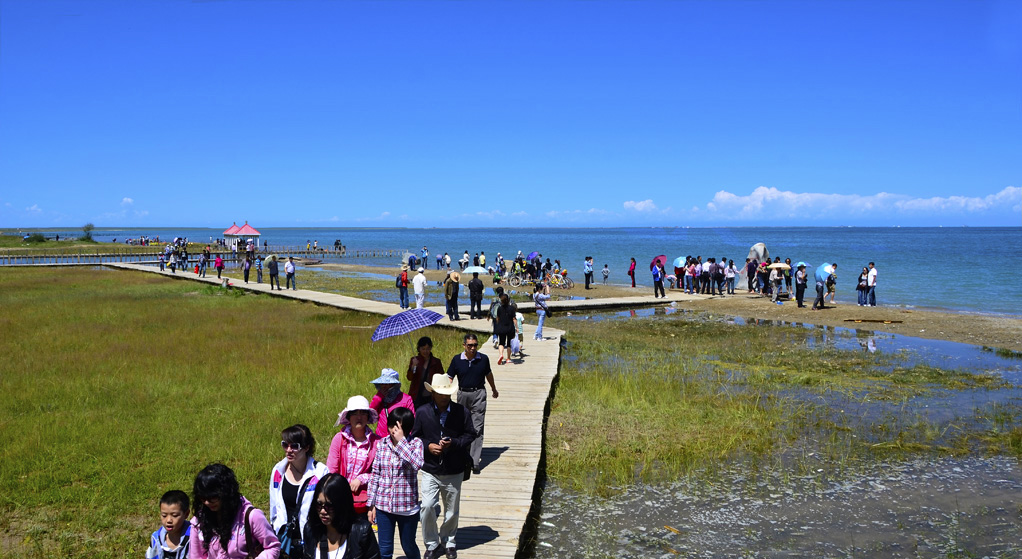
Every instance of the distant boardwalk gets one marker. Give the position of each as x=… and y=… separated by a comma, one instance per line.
x=495, y=503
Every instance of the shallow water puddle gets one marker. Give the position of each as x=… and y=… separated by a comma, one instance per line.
x=921, y=508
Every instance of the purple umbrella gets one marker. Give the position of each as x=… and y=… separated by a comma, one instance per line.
x=532, y=255
x=405, y=322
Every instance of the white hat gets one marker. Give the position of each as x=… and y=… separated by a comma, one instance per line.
x=443, y=384
x=356, y=403
x=420, y=270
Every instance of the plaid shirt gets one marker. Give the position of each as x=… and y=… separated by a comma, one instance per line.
x=394, y=486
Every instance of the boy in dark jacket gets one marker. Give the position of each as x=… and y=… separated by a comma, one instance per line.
x=445, y=428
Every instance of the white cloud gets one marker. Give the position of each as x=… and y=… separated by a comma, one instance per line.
x=520, y=214
x=381, y=217
x=141, y=213
x=127, y=201
x=643, y=206
x=34, y=208
x=770, y=203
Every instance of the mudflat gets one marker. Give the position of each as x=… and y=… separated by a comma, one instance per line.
x=997, y=331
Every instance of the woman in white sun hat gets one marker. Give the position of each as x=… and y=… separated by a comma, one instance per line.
x=354, y=448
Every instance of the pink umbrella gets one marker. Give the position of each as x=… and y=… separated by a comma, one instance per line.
x=662, y=258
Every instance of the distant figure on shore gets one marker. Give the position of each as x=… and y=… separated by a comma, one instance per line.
x=219, y=265
x=658, y=280
x=402, y=286
x=862, y=286
x=419, y=287
x=289, y=268
x=475, y=296
x=587, y=269
x=872, y=284
x=425, y=257
x=274, y=269
x=451, y=288
x=800, y=285
x=606, y=274
x=631, y=271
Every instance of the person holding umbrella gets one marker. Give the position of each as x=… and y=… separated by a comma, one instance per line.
x=658, y=279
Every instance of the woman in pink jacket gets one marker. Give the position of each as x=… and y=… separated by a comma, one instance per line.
x=388, y=397
x=227, y=525
x=353, y=449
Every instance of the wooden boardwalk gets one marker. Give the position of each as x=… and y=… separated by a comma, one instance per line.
x=495, y=503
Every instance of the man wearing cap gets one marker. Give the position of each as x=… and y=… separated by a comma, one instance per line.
x=419, y=286
x=472, y=369
x=446, y=431
x=402, y=286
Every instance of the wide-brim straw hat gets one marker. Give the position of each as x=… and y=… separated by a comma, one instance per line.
x=443, y=384
x=455, y=277
x=356, y=403
x=404, y=267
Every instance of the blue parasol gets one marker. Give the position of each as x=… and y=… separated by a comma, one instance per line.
x=823, y=272
x=532, y=255
x=679, y=262
x=475, y=270
x=405, y=322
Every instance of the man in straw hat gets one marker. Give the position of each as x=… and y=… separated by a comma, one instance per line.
x=445, y=428
x=451, y=289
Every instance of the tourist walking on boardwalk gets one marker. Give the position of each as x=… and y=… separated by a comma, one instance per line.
x=334, y=525
x=292, y=482
x=871, y=298
x=451, y=289
x=475, y=296
x=394, y=486
x=274, y=269
x=445, y=429
x=587, y=269
x=402, y=286
x=421, y=367
x=472, y=369
x=388, y=398
x=658, y=280
x=162, y=259
x=419, y=287
x=862, y=286
x=504, y=329
x=203, y=262
x=353, y=449
x=800, y=285
x=219, y=265
x=631, y=271
x=541, y=295
x=289, y=268
x=259, y=269
x=224, y=519
x=245, y=267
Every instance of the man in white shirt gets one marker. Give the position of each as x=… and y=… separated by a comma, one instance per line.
x=289, y=269
x=871, y=285
x=419, y=287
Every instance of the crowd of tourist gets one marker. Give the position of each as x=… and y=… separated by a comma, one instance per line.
x=326, y=510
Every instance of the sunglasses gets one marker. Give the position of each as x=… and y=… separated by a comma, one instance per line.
x=293, y=446
x=328, y=507
x=471, y=345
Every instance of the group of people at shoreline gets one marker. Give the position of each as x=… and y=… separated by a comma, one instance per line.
x=326, y=510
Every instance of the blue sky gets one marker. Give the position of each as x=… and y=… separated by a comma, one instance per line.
x=447, y=114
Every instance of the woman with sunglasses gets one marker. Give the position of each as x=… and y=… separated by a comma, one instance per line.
x=227, y=524
x=333, y=530
x=354, y=448
x=292, y=483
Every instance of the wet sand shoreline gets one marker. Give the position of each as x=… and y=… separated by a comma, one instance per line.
x=971, y=328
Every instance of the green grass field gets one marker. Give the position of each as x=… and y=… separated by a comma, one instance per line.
x=119, y=386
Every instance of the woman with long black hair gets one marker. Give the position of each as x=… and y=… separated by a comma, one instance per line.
x=228, y=525
x=333, y=530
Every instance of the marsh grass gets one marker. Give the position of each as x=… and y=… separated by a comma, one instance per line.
x=119, y=386
x=675, y=396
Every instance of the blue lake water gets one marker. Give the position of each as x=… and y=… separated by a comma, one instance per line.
x=966, y=269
